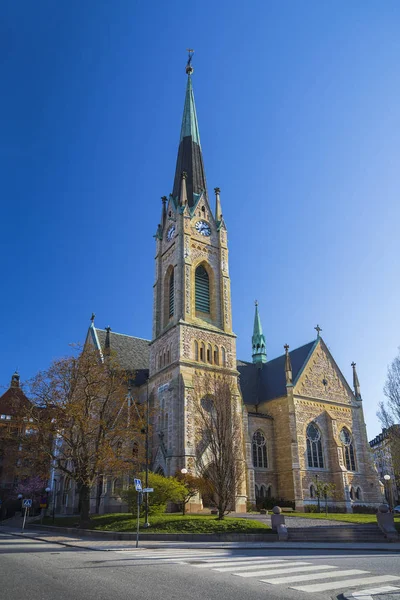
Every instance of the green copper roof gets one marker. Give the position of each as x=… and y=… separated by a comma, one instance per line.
x=258, y=340
x=190, y=126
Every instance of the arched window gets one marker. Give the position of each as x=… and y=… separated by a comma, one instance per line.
x=269, y=492
x=348, y=449
x=202, y=351
x=263, y=493
x=202, y=287
x=196, y=350
x=257, y=491
x=223, y=356
x=259, y=450
x=171, y=295
x=314, y=447
x=168, y=356
x=312, y=491
x=352, y=493
x=358, y=493
x=216, y=356
x=209, y=354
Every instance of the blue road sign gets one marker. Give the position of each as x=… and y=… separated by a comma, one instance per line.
x=138, y=485
x=27, y=503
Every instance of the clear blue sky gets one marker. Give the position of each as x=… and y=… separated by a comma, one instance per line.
x=298, y=107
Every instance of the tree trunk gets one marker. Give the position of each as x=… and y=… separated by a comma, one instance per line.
x=84, y=500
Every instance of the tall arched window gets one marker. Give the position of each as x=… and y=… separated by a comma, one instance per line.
x=348, y=449
x=171, y=295
x=314, y=447
x=202, y=287
x=358, y=493
x=312, y=491
x=259, y=450
x=223, y=356
x=196, y=350
x=202, y=352
x=216, y=356
x=209, y=353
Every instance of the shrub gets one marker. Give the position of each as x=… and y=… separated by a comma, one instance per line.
x=311, y=508
x=166, y=489
x=361, y=509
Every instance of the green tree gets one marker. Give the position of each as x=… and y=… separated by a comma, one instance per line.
x=325, y=490
x=166, y=489
x=193, y=485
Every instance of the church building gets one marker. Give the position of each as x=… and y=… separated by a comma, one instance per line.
x=302, y=421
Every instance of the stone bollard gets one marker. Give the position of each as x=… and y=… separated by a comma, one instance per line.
x=282, y=533
x=277, y=518
x=386, y=523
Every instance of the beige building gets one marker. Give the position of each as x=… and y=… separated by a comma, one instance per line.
x=302, y=422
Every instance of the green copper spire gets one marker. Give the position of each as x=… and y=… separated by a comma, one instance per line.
x=258, y=341
x=190, y=126
x=190, y=158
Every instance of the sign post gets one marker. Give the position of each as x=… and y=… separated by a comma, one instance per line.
x=26, y=503
x=138, y=487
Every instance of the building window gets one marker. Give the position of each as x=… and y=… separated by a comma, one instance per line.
x=216, y=357
x=314, y=447
x=209, y=354
x=348, y=449
x=358, y=494
x=202, y=287
x=259, y=450
x=196, y=350
x=223, y=356
x=171, y=295
x=312, y=491
x=202, y=351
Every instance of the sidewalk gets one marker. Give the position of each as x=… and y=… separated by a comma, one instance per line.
x=87, y=543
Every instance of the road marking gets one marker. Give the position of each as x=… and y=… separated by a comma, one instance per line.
x=311, y=576
x=227, y=563
x=249, y=566
x=282, y=571
x=345, y=583
x=367, y=594
x=246, y=558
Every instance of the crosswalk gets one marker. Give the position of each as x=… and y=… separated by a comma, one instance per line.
x=301, y=575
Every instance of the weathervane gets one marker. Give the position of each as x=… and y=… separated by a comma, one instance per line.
x=189, y=68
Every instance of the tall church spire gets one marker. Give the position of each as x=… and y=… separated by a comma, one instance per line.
x=190, y=158
x=356, y=383
x=258, y=341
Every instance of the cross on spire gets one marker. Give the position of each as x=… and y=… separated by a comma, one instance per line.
x=318, y=330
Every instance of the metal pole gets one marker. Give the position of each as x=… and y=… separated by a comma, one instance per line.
x=138, y=517
x=23, y=523
x=54, y=499
x=146, y=498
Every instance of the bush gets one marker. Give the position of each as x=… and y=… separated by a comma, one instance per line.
x=361, y=509
x=166, y=489
x=251, y=507
x=269, y=503
x=311, y=508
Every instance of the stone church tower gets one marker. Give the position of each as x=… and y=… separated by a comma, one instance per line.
x=192, y=320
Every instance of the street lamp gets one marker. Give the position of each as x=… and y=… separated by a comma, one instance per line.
x=54, y=498
x=388, y=486
x=184, y=471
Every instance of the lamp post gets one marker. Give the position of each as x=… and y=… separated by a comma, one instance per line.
x=388, y=486
x=20, y=496
x=54, y=498
x=318, y=493
x=184, y=472
x=146, y=506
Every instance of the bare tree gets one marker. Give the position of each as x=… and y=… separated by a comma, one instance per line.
x=389, y=413
x=219, y=439
x=85, y=410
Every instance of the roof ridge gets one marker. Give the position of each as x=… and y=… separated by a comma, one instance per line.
x=134, y=337
x=290, y=351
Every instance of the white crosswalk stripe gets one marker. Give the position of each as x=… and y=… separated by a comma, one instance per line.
x=230, y=565
x=254, y=566
x=282, y=571
x=344, y=583
x=313, y=576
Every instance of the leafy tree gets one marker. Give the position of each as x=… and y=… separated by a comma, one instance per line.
x=324, y=490
x=86, y=412
x=166, y=489
x=219, y=440
x=193, y=485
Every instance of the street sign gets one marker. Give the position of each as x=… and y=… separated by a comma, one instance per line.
x=27, y=503
x=138, y=485
x=148, y=490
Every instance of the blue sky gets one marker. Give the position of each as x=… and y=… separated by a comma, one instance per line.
x=299, y=122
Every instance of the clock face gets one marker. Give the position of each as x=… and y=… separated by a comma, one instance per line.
x=170, y=232
x=203, y=228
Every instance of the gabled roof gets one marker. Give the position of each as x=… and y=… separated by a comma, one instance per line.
x=13, y=401
x=262, y=384
x=132, y=352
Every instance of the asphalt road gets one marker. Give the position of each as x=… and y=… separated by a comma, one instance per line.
x=37, y=570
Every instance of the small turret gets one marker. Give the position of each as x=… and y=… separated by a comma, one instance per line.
x=288, y=366
x=183, y=196
x=15, y=380
x=218, y=211
x=107, y=343
x=356, y=383
x=258, y=341
x=164, y=201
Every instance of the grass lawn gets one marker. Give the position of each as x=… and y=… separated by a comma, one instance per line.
x=167, y=523
x=345, y=517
